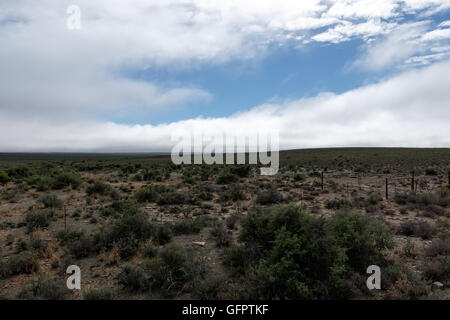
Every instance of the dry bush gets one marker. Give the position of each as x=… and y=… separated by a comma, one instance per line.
x=420, y=229
x=438, y=247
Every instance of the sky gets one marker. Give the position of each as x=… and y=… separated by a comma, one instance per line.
x=334, y=73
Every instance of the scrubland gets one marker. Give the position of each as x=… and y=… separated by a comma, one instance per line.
x=140, y=227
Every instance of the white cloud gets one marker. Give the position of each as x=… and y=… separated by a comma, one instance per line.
x=57, y=85
x=394, y=48
x=408, y=110
x=445, y=24
x=347, y=30
x=184, y=31
x=364, y=9
x=408, y=44
x=441, y=49
x=438, y=34
x=430, y=6
x=427, y=59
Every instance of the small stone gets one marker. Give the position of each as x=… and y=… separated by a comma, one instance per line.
x=199, y=243
x=437, y=286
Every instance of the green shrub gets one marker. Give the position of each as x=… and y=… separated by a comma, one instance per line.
x=37, y=245
x=231, y=221
x=98, y=187
x=132, y=278
x=64, y=180
x=296, y=256
x=76, y=213
x=220, y=235
x=128, y=247
x=43, y=183
x=226, y=178
x=51, y=201
x=98, y=294
x=205, y=195
x=4, y=178
x=114, y=194
x=403, y=198
x=188, y=180
x=150, y=252
x=146, y=194
x=21, y=246
x=163, y=234
x=337, y=204
x=392, y=274
x=125, y=189
x=22, y=263
x=363, y=239
x=240, y=170
x=171, y=198
x=152, y=175
x=269, y=196
x=374, y=198
x=135, y=224
x=162, y=196
x=82, y=247
x=186, y=226
x=107, y=212
x=170, y=269
x=209, y=289
x=19, y=172
x=127, y=207
x=69, y=235
x=236, y=193
x=49, y=289
x=403, y=283
x=300, y=268
x=38, y=219
x=239, y=258
x=10, y=239
x=444, y=192
x=431, y=172
x=314, y=174
x=127, y=233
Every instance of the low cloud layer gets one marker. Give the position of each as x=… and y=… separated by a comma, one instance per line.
x=409, y=110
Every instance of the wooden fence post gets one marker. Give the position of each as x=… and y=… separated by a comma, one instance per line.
x=412, y=182
x=65, y=218
x=322, y=180
x=387, y=193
